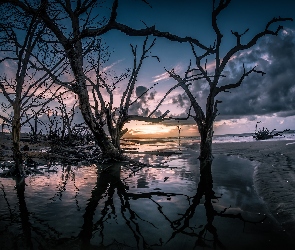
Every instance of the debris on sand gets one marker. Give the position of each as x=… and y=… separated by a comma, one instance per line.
x=264, y=133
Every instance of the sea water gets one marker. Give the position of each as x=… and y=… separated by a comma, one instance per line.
x=123, y=206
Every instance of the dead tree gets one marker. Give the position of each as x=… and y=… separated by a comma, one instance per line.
x=205, y=118
x=73, y=42
x=75, y=52
x=105, y=109
x=26, y=91
x=265, y=133
x=67, y=117
x=34, y=125
x=75, y=39
x=53, y=124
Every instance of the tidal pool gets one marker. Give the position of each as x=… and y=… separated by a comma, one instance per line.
x=122, y=206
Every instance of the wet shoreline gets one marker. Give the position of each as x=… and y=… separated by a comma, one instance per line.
x=274, y=177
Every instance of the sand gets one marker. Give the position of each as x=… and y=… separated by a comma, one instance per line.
x=274, y=176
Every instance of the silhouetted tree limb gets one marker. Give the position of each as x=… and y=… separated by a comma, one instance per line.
x=24, y=92
x=254, y=40
x=104, y=107
x=238, y=83
x=205, y=118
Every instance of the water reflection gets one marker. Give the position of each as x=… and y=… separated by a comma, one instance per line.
x=128, y=207
x=207, y=197
x=182, y=225
x=24, y=213
x=108, y=184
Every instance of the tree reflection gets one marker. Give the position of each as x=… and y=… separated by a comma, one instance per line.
x=107, y=182
x=24, y=229
x=16, y=237
x=67, y=174
x=204, y=191
x=205, y=188
x=24, y=213
x=116, y=217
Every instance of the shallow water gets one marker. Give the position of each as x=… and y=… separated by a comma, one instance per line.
x=126, y=207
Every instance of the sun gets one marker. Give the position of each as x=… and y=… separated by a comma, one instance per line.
x=141, y=129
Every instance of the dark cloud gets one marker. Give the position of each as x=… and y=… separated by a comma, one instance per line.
x=141, y=106
x=286, y=113
x=259, y=95
x=140, y=90
x=251, y=118
x=152, y=96
x=158, y=113
x=180, y=99
x=137, y=108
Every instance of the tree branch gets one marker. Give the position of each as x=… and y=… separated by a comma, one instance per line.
x=238, y=83
x=253, y=41
x=200, y=116
x=148, y=119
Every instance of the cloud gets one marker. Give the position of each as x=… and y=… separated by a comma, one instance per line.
x=140, y=90
x=161, y=77
x=286, y=113
x=165, y=76
x=152, y=96
x=271, y=94
x=139, y=107
x=112, y=65
x=180, y=99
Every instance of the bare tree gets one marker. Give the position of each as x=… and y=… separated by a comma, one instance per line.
x=205, y=118
x=72, y=26
x=27, y=90
x=75, y=39
x=34, y=125
x=113, y=115
x=67, y=117
x=54, y=123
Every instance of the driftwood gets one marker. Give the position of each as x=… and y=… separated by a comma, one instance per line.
x=264, y=133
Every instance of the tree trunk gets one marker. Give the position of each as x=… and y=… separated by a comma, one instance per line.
x=106, y=182
x=35, y=128
x=75, y=56
x=17, y=155
x=206, y=156
x=103, y=141
x=116, y=136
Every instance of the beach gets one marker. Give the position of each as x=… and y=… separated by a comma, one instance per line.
x=274, y=175
x=131, y=207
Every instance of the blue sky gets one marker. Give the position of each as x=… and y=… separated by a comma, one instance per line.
x=269, y=99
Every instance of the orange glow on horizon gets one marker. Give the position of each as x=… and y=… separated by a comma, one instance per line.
x=141, y=130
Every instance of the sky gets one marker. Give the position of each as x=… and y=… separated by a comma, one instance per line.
x=269, y=98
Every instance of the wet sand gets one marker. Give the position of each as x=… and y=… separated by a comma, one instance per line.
x=274, y=176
